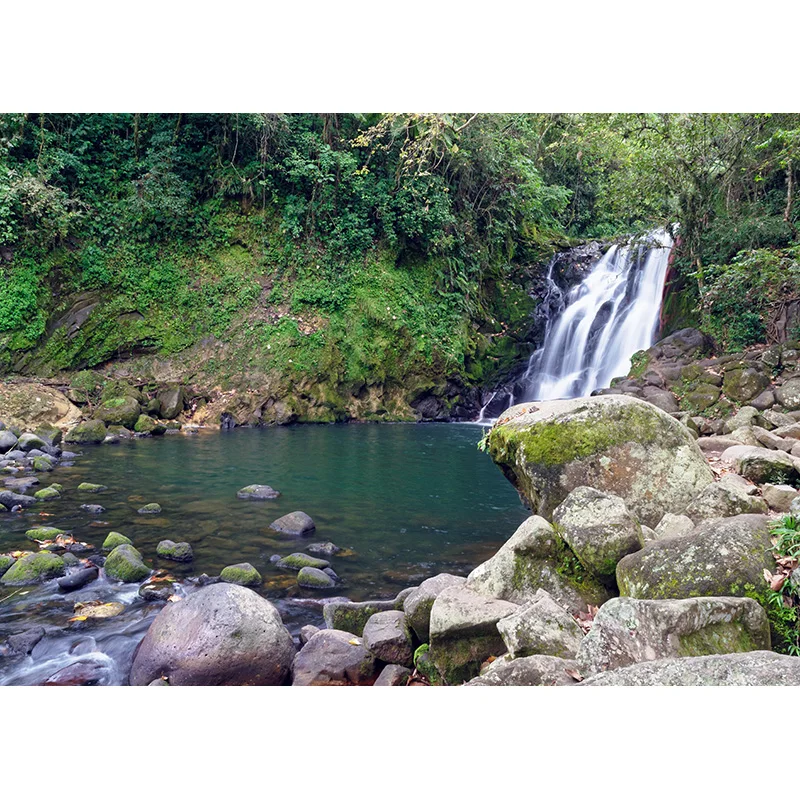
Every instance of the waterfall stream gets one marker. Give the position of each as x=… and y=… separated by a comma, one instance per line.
x=598, y=324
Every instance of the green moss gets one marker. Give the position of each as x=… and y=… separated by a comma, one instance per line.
x=639, y=363
x=43, y=534
x=459, y=659
x=124, y=563
x=722, y=637
x=6, y=562
x=91, y=432
x=34, y=568
x=423, y=663
x=115, y=539
x=296, y=562
x=93, y=488
x=42, y=464
x=49, y=493
x=241, y=574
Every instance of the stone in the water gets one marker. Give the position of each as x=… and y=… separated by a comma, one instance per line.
x=598, y=528
x=156, y=589
x=388, y=638
x=91, y=432
x=43, y=534
x=150, y=508
x=48, y=493
x=92, y=487
x=257, y=491
x=296, y=523
x=334, y=658
x=124, y=563
x=221, y=635
x=175, y=551
x=20, y=484
x=341, y=614
x=541, y=627
x=77, y=580
x=22, y=644
x=5, y=563
x=418, y=603
x=11, y=500
x=34, y=568
x=757, y=668
x=614, y=443
x=92, y=508
x=528, y=671
x=115, y=539
x=243, y=574
x=626, y=631
x=393, y=675
x=296, y=561
x=324, y=549
x=312, y=578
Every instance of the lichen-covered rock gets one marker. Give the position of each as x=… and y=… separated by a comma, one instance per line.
x=788, y=395
x=243, y=574
x=33, y=568
x=92, y=488
x=296, y=523
x=702, y=397
x=43, y=533
x=757, y=668
x=92, y=431
x=541, y=627
x=760, y=465
x=313, y=578
x=221, y=635
x=673, y=525
x=175, y=551
x=419, y=602
x=598, y=528
x=328, y=549
x=146, y=424
x=115, y=539
x=534, y=558
x=719, y=558
x=741, y=385
x=528, y=671
x=119, y=411
x=778, y=498
x=388, y=638
x=745, y=417
x=124, y=563
x=614, y=443
x=257, y=491
x=726, y=498
x=464, y=632
x=334, y=658
x=626, y=631
x=150, y=508
x=296, y=561
x=28, y=405
x=771, y=441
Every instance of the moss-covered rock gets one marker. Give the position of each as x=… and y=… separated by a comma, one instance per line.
x=241, y=574
x=418, y=603
x=124, y=563
x=48, y=493
x=119, y=411
x=6, y=562
x=727, y=498
x=150, y=508
x=145, y=424
x=352, y=617
x=43, y=534
x=42, y=464
x=92, y=488
x=33, y=568
x=741, y=385
x=115, y=539
x=312, y=578
x=49, y=433
x=615, y=443
x=175, y=551
x=30, y=441
x=760, y=465
x=296, y=561
x=92, y=431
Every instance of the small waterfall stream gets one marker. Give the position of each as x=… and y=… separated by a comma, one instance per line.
x=598, y=324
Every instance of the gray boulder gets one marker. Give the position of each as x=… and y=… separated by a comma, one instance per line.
x=221, y=635
x=257, y=491
x=528, y=671
x=170, y=401
x=771, y=441
x=334, y=658
x=175, y=551
x=758, y=668
x=313, y=578
x=788, y=395
x=352, y=617
x=745, y=417
x=719, y=558
x=296, y=523
x=779, y=498
x=393, y=675
x=419, y=602
x=626, y=631
x=726, y=498
x=12, y=499
x=598, y=528
x=673, y=525
x=30, y=441
x=388, y=638
x=7, y=441
x=760, y=465
x=541, y=627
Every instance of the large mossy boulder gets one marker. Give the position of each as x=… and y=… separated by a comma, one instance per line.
x=119, y=411
x=614, y=443
x=92, y=431
x=115, y=539
x=725, y=557
x=627, y=631
x=124, y=563
x=222, y=635
x=34, y=568
x=758, y=668
x=534, y=558
x=741, y=385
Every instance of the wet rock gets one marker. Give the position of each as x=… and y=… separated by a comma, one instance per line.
x=11, y=500
x=175, y=551
x=49, y=493
x=221, y=635
x=20, y=484
x=22, y=644
x=91, y=432
x=758, y=668
x=257, y=491
x=42, y=464
x=92, y=508
x=296, y=523
x=150, y=508
x=779, y=498
x=725, y=498
x=77, y=580
x=92, y=488
x=334, y=658
x=243, y=574
x=541, y=627
x=311, y=578
x=124, y=563
x=464, y=632
x=388, y=637
x=324, y=549
x=115, y=539
x=43, y=533
x=155, y=590
x=626, y=631
x=528, y=671
x=34, y=568
x=7, y=441
x=598, y=528
x=760, y=465
x=296, y=561
x=418, y=603
x=719, y=558
x=119, y=411
x=29, y=441
x=672, y=525
x=534, y=558
x=393, y=675
x=616, y=444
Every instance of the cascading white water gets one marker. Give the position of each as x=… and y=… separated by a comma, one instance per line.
x=608, y=317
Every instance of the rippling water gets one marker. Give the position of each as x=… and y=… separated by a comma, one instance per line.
x=408, y=501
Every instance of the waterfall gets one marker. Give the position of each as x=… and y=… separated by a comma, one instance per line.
x=596, y=326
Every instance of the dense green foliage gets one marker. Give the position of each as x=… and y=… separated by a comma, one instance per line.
x=363, y=247
x=782, y=601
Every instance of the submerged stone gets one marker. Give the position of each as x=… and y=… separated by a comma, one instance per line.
x=257, y=491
